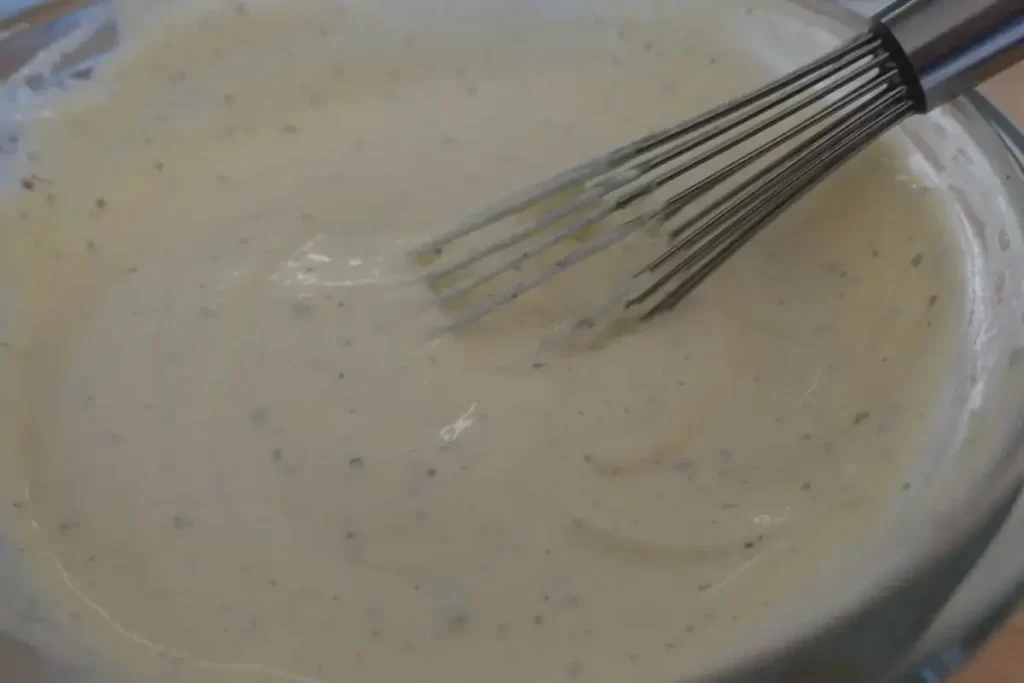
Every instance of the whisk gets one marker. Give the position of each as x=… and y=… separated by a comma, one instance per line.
x=788, y=136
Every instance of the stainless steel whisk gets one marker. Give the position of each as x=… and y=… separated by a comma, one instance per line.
x=912, y=57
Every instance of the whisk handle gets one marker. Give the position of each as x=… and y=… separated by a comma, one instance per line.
x=953, y=45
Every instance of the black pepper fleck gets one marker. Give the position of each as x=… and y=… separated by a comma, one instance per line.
x=277, y=455
x=916, y=259
x=861, y=416
x=182, y=522
x=682, y=465
x=101, y=203
x=209, y=311
x=538, y=619
x=456, y=622
x=1004, y=240
x=302, y=306
x=806, y=486
x=432, y=472
x=28, y=184
x=356, y=462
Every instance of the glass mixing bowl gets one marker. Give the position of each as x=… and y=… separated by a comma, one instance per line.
x=906, y=606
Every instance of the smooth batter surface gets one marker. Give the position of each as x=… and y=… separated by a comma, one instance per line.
x=241, y=458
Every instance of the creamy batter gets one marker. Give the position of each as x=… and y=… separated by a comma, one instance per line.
x=241, y=458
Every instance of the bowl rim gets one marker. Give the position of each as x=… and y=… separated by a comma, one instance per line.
x=862, y=641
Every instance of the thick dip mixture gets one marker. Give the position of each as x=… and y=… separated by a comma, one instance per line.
x=239, y=457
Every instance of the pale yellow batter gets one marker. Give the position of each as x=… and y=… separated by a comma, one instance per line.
x=241, y=459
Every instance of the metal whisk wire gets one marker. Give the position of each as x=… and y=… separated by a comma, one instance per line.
x=751, y=206
x=833, y=107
